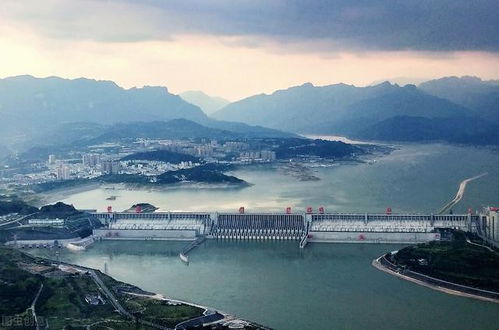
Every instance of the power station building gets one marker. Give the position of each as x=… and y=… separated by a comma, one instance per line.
x=489, y=225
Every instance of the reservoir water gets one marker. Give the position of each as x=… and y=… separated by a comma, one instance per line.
x=414, y=178
x=324, y=286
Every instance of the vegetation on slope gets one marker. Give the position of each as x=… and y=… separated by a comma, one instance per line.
x=62, y=300
x=207, y=173
x=456, y=261
x=290, y=148
x=14, y=205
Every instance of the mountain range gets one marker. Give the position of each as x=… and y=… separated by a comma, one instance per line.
x=55, y=110
x=33, y=108
x=385, y=111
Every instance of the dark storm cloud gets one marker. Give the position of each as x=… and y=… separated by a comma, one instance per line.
x=428, y=25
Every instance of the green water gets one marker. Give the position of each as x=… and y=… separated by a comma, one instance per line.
x=325, y=286
x=415, y=178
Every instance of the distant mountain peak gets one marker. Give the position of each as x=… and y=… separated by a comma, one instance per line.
x=386, y=83
x=158, y=89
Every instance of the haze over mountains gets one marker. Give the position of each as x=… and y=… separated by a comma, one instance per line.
x=32, y=107
x=209, y=104
x=382, y=112
x=56, y=110
x=91, y=133
x=30, y=104
x=471, y=92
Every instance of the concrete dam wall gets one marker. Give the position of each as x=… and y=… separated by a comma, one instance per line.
x=303, y=227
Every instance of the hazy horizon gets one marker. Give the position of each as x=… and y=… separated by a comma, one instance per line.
x=234, y=50
x=401, y=81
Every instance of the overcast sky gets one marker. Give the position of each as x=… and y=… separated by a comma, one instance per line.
x=236, y=48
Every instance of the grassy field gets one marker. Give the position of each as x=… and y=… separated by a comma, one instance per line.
x=456, y=261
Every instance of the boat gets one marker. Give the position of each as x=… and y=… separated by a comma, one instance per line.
x=184, y=258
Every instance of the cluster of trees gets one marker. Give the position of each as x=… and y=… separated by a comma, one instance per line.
x=207, y=173
x=16, y=206
x=455, y=261
x=289, y=148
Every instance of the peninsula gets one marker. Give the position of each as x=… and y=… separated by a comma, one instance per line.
x=462, y=266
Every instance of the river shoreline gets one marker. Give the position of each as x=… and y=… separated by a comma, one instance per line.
x=386, y=266
x=227, y=318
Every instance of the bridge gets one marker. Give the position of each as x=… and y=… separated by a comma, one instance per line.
x=302, y=227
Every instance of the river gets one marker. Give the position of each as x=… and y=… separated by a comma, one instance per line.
x=324, y=286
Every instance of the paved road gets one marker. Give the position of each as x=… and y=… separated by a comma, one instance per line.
x=32, y=307
x=480, y=245
x=199, y=321
x=114, y=301
x=110, y=295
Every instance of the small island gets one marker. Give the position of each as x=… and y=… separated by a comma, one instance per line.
x=142, y=207
x=462, y=266
x=204, y=174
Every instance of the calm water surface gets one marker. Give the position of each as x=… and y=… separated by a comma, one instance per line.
x=323, y=286
x=415, y=178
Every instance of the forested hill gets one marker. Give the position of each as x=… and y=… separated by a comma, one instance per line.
x=382, y=112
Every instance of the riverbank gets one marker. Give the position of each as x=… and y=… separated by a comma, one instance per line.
x=59, y=194
x=386, y=266
x=90, y=298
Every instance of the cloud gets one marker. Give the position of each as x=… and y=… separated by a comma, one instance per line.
x=333, y=25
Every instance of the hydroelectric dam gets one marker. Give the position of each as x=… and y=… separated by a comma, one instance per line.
x=301, y=227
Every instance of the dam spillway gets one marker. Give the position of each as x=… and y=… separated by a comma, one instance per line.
x=258, y=226
x=302, y=227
